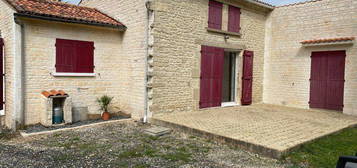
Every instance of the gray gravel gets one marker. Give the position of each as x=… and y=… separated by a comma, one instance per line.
x=124, y=145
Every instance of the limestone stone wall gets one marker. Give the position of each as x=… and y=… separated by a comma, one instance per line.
x=179, y=31
x=7, y=28
x=132, y=13
x=40, y=38
x=287, y=63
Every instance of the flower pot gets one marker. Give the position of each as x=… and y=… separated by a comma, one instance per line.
x=105, y=116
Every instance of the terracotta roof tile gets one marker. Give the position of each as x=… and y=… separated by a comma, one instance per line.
x=328, y=40
x=52, y=93
x=264, y=3
x=64, y=11
x=299, y=3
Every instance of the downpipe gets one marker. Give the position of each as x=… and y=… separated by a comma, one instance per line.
x=146, y=108
x=20, y=120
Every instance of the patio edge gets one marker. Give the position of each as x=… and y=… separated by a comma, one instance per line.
x=258, y=149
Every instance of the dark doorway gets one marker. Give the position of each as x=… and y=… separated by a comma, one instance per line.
x=229, y=77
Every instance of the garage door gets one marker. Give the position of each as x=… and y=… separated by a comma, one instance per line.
x=327, y=80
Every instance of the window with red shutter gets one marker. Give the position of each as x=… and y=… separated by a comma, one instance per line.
x=74, y=56
x=234, y=19
x=215, y=15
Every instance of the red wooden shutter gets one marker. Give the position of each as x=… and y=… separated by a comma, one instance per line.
x=1, y=74
x=318, y=80
x=335, y=80
x=65, y=55
x=74, y=56
x=327, y=80
x=247, y=79
x=211, y=76
x=85, y=57
x=215, y=15
x=234, y=19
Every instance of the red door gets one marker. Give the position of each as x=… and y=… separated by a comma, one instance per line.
x=327, y=80
x=1, y=75
x=247, y=79
x=211, y=76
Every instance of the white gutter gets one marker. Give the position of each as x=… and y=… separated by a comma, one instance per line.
x=19, y=76
x=2, y=112
x=146, y=101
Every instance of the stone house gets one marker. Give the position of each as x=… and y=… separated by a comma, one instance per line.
x=183, y=56
x=42, y=44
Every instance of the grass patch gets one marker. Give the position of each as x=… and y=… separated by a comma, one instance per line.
x=64, y=157
x=326, y=151
x=142, y=165
x=181, y=154
x=149, y=139
x=197, y=148
x=57, y=135
x=131, y=153
x=178, y=156
x=7, y=134
x=87, y=148
x=140, y=151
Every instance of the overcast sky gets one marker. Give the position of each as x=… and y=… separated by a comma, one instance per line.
x=274, y=2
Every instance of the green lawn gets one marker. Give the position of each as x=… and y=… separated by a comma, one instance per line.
x=325, y=152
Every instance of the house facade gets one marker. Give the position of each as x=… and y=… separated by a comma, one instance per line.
x=185, y=56
x=84, y=57
x=283, y=40
x=288, y=62
x=179, y=31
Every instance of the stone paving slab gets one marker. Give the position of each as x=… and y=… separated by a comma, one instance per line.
x=267, y=129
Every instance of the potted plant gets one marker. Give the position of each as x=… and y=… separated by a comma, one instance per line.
x=104, y=103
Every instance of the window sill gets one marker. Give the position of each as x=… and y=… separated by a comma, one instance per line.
x=56, y=74
x=223, y=32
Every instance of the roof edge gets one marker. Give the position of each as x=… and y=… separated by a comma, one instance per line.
x=262, y=4
x=328, y=40
x=69, y=20
x=298, y=3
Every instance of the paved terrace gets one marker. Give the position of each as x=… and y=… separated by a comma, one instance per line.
x=266, y=129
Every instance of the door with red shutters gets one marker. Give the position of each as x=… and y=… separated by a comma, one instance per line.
x=327, y=80
x=1, y=75
x=247, y=79
x=211, y=76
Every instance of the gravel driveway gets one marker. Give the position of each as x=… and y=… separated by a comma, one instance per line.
x=124, y=145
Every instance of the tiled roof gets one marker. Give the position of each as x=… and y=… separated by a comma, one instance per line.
x=264, y=3
x=299, y=3
x=58, y=11
x=52, y=93
x=328, y=40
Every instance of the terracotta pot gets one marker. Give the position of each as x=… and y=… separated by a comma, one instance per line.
x=105, y=116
